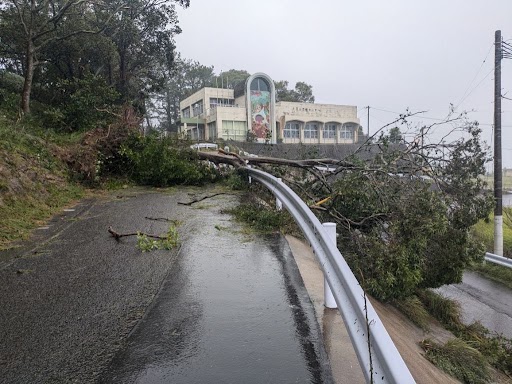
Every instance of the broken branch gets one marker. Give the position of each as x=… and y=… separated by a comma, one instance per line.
x=201, y=199
x=117, y=236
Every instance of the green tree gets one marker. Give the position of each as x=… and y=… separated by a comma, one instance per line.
x=143, y=34
x=134, y=39
x=230, y=79
x=185, y=78
x=303, y=93
x=282, y=92
x=395, y=136
x=28, y=27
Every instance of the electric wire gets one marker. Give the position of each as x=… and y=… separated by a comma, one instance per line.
x=431, y=118
x=507, y=54
x=473, y=90
x=477, y=73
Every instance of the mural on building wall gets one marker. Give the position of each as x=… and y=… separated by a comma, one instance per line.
x=260, y=107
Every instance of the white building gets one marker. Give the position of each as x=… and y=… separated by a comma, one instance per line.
x=217, y=113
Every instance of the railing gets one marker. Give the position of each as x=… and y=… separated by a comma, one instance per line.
x=206, y=146
x=379, y=359
x=500, y=260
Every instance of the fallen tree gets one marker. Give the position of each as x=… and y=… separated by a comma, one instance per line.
x=403, y=202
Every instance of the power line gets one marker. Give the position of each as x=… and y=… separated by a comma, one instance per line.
x=429, y=117
x=477, y=73
x=474, y=89
x=508, y=56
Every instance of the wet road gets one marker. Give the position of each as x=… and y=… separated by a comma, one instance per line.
x=76, y=306
x=483, y=300
x=232, y=310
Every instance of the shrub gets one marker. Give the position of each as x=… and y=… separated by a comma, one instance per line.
x=10, y=90
x=11, y=82
x=163, y=162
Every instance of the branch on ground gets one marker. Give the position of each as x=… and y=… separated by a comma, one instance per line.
x=117, y=235
x=201, y=199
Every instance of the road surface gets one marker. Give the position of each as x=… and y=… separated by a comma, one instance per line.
x=77, y=306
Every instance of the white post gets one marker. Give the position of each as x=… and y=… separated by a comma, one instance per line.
x=498, y=235
x=279, y=203
x=329, y=302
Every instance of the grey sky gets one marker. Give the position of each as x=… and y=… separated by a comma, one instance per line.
x=390, y=55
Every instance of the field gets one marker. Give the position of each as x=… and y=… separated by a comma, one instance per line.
x=507, y=182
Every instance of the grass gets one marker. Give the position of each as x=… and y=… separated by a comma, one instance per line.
x=33, y=183
x=459, y=360
x=413, y=308
x=262, y=218
x=446, y=311
x=21, y=215
x=496, y=350
x=484, y=231
x=259, y=218
x=495, y=272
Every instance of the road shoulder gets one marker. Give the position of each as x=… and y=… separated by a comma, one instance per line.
x=344, y=363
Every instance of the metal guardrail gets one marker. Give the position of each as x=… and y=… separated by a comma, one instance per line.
x=496, y=259
x=378, y=357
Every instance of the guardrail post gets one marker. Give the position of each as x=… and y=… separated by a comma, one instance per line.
x=279, y=203
x=329, y=302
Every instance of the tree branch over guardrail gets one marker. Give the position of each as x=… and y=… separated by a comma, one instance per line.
x=404, y=202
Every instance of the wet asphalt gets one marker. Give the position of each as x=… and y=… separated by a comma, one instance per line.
x=227, y=307
x=483, y=300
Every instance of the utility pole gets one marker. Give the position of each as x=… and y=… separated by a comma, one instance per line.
x=498, y=210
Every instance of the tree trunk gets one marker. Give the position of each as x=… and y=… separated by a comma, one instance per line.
x=29, y=75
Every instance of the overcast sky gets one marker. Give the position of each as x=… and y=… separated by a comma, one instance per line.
x=386, y=54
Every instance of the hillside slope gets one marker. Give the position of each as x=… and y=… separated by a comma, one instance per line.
x=33, y=181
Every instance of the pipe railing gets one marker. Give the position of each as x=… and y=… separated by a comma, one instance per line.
x=378, y=357
x=500, y=260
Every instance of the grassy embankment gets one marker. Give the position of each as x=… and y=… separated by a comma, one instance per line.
x=33, y=179
x=484, y=231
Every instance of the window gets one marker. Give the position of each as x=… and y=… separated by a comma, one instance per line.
x=186, y=112
x=197, y=108
x=311, y=131
x=220, y=102
x=234, y=130
x=347, y=132
x=329, y=131
x=292, y=130
x=212, y=131
x=260, y=84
